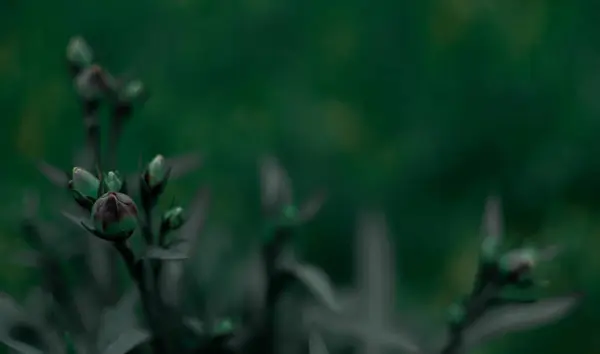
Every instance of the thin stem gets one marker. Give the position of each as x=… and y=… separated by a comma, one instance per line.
x=119, y=116
x=149, y=303
x=92, y=128
x=476, y=306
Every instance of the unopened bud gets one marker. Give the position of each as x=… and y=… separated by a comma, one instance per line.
x=113, y=181
x=156, y=172
x=79, y=53
x=84, y=184
x=132, y=92
x=173, y=219
x=114, y=216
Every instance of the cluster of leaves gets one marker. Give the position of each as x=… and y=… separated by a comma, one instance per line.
x=80, y=307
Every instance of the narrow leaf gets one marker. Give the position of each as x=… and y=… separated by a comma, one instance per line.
x=53, y=174
x=318, y=283
x=492, y=218
x=118, y=320
x=275, y=185
x=312, y=206
x=184, y=164
x=511, y=318
x=316, y=344
x=190, y=231
x=74, y=219
x=127, y=340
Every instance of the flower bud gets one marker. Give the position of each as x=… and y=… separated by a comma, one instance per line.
x=173, y=219
x=79, y=53
x=156, y=173
x=518, y=261
x=84, y=184
x=114, y=216
x=132, y=92
x=113, y=181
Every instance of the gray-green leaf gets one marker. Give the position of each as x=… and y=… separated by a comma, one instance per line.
x=316, y=344
x=511, y=318
x=318, y=283
x=127, y=340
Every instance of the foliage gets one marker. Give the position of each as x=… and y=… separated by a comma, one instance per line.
x=80, y=308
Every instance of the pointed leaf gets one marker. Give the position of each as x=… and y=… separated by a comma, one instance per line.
x=127, y=340
x=275, y=185
x=195, y=325
x=511, y=318
x=190, y=231
x=492, y=218
x=316, y=344
x=118, y=319
x=312, y=206
x=53, y=174
x=318, y=283
x=75, y=220
x=184, y=164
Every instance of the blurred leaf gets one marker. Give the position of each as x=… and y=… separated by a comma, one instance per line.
x=11, y=315
x=117, y=321
x=57, y=176
x=316, y=344
x=511, y=318
x=276, y=187
x=318, y=283
x=312, y=206
x=127, y=340
x=184, y=164
x=492, y=218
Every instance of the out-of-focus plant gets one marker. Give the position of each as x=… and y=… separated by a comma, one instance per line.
x=80, y=306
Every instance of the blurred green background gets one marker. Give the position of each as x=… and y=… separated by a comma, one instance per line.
x=420, y=108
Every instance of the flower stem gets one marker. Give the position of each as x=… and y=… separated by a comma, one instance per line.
x=147, y=295
x=92, y=128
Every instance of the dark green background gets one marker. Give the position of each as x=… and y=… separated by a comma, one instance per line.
x=418, y=107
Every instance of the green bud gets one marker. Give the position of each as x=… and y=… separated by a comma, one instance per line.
x=156, y=172
x=114, y=215
x=113, y=181
x=84, y=184
x=79, y=52
x=520, y=260
x=133, y=91
x=173, y=218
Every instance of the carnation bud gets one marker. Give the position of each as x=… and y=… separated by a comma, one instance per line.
x=173, y=219
x=114, y=216
x=132, y=92
x=113, y=181
x=157, y=171
x=84, y=186
x=79, y=53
